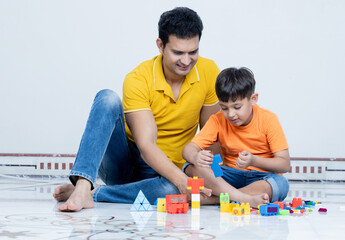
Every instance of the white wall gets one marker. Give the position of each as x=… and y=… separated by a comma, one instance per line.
x=56, y=55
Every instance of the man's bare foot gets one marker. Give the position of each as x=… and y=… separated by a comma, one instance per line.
x=62, y=193
x=79, y=198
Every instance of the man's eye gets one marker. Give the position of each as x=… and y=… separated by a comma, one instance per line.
x=224, y=109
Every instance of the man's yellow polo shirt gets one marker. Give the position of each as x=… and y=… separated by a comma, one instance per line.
x=145, y=88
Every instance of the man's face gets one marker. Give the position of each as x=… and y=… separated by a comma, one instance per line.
x=240, y=112
x=179, y=56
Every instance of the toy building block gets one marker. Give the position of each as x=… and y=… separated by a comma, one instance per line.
x=224, y=197
x=232, y=206
x=300, y=207
x=245, y=208
x=324, y=210
x=280, y=204
x=195, y=184
x=215, y=166
x=224, y=207
x=161, y=205
x=283, y=212
x=237, y=211
x=296, y=202
x=141, y=203
x=268, y=209
x=176, y=204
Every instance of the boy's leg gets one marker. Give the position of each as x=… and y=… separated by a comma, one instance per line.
x=219, y=185
x=277, y=186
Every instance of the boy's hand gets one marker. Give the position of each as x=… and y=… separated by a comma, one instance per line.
x=203, y=158
x=244, y=160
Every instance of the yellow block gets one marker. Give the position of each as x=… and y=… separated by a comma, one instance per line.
x=161, y=205
x=196, y=205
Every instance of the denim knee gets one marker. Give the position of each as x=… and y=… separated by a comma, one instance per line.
x=108, y=100
x=280, y=186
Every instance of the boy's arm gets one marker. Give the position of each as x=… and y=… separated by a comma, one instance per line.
x=198, y=157
x=280, y=163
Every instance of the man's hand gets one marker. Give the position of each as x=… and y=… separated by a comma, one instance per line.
x=244, y=160
x=204, y=193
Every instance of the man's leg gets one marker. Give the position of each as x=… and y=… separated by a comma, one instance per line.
x=219, y=185
x=103, y=148
x=152, y=188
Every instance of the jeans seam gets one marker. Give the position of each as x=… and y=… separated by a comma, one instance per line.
x=95, y=194
x=81, y=174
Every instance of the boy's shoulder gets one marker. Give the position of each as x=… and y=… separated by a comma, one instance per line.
x=264, y=114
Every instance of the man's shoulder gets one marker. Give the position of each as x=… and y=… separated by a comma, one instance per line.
x=205, y=62
x=142, y=72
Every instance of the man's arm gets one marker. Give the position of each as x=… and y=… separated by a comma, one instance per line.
x=205, y=114
x=144, y=131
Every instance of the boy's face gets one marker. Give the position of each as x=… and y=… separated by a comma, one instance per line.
x=179, y=55
x=240, y=112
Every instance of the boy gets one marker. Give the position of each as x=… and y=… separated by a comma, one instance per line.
x=253, y=145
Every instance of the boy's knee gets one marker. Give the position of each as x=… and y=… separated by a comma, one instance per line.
x=280, y=187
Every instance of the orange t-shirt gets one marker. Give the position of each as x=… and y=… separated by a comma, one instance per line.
x=263, y=136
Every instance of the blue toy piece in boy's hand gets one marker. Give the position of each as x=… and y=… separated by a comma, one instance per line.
x=215, y=166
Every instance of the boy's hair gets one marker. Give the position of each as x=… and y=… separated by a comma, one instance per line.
x=234, y=83
x=182, y=22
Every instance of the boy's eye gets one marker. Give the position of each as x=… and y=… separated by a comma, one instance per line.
x=237, y=108
x=224, y=109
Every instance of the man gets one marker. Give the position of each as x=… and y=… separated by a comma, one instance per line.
x=164, y=101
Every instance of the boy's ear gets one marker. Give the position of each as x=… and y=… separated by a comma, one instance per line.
x=254, y=98
x=160, y=46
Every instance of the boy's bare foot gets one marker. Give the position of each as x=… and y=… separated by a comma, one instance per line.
x=62, y=193
x=256, y=200
x=77, y=199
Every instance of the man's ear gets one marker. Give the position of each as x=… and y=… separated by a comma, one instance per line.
x=160, y=46
x=254, y=98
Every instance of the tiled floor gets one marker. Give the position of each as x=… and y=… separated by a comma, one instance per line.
x=27, y=211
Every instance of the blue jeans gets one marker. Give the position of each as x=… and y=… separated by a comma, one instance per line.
x=106, y=150
x=239, y=179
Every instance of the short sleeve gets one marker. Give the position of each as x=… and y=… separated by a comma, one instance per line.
x=208, y=135
x=210, y=71
x=275, y=135
x=135, y=93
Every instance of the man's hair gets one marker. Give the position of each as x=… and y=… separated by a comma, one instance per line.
x=182, y=22
x=234, y=83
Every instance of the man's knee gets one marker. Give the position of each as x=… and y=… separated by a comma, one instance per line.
x=108, y=100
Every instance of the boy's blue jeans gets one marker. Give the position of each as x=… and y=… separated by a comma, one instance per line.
x=105, y=150
x=239, y=179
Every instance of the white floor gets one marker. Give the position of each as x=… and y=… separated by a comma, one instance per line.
x=28, y=211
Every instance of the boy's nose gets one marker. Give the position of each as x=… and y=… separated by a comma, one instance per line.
x=232, y=113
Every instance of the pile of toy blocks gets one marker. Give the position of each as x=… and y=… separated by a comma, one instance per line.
x=270, y=209
x=235, y=208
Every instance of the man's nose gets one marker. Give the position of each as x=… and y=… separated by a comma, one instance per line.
x=186, y=59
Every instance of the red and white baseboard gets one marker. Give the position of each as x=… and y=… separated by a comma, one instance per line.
x=310, y=169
